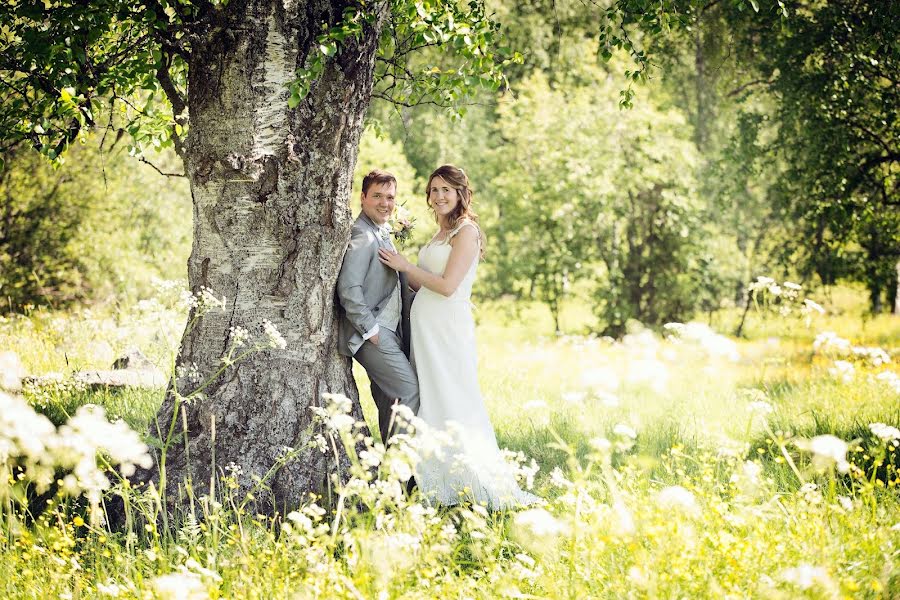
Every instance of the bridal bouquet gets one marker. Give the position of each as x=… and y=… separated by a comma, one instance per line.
x=402, y=224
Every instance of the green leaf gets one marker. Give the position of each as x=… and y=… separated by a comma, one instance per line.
x=294, y=100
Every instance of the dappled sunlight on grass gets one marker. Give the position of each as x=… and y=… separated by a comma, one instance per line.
x=678, y=463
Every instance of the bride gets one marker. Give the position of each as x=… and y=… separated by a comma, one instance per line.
x=470, y=467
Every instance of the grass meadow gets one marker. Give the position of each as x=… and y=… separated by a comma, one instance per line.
x=677, y=464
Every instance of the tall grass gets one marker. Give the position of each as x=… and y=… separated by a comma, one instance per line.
x=669, y=468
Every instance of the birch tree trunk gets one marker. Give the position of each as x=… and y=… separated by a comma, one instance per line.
x=271, y=222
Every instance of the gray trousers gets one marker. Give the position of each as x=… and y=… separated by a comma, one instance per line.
x=393, y=379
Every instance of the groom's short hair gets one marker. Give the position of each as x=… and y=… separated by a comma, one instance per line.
x=379, y=176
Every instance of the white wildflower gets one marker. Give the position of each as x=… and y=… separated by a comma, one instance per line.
x=319, y=442
x=193, y=566
x=842, y=370
x=273, y=335
x=806, y=576
x=711, y=343
x=372, y=457
x=110, y=588
x=651, y=372
x=189, y=372
x=559, y=480
x=399, y=469
x=208, y=300
x=180, y=586
x=827, y=451
x=89, y=432
x=625, y=431
x=238, y=336
x=606, y=399
x=638, y=577
x=810, y=307
x=885, y=433
x=12, y=371
x=164, y=286
x=810, y=493
x=234, y=470
x=600, y=379
x=575, y=398
x=601, y=445
x=728, y=447
x=341, y=423
x=748, y=478
x=621, y=521
x=889, y=378
x=873, y=355
x=187, y=300
x=760, y=407
x=830, y=342
x=677, y=498
x=541, y=523
x=337, y=403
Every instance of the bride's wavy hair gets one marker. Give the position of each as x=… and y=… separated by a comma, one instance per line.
x=459, y=181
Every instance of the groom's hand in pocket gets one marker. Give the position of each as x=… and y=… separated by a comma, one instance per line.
x=374, y=339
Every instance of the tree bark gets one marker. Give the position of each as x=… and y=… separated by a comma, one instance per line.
x=271, y=222
x=895, y=307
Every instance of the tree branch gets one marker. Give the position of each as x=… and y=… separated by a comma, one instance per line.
x=147, y=162
x=743, y=87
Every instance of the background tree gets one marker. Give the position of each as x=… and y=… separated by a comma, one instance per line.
x=592, y=193
x=830, y=71
x=96, y=227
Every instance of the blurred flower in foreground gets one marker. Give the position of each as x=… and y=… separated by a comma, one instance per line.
x=827, y=451
x=576, y=398
x=541, y=523
x=890, y=379
x=180, y=586
x=829, y=342
x=842, y=370
x=679, y=499
x=29, y=440
x=806, y=576
x=885, y=433
x=711, y=343
x=600, y=379
x=110, y=588
x=11, y=372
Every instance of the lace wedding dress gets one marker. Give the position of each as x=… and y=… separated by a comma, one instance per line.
x=468, y=466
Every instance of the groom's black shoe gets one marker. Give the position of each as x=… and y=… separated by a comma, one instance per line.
x=410, y=486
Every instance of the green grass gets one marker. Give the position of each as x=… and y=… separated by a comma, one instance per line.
x=609, y=531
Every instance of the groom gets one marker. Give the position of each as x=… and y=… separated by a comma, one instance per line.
x=374, y=327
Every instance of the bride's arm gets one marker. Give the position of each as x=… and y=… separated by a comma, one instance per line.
x=464, y=250
x=413, y=283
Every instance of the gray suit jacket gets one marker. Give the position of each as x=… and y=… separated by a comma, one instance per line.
x=364, y=287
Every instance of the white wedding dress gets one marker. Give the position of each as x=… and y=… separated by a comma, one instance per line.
x=468, y=466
